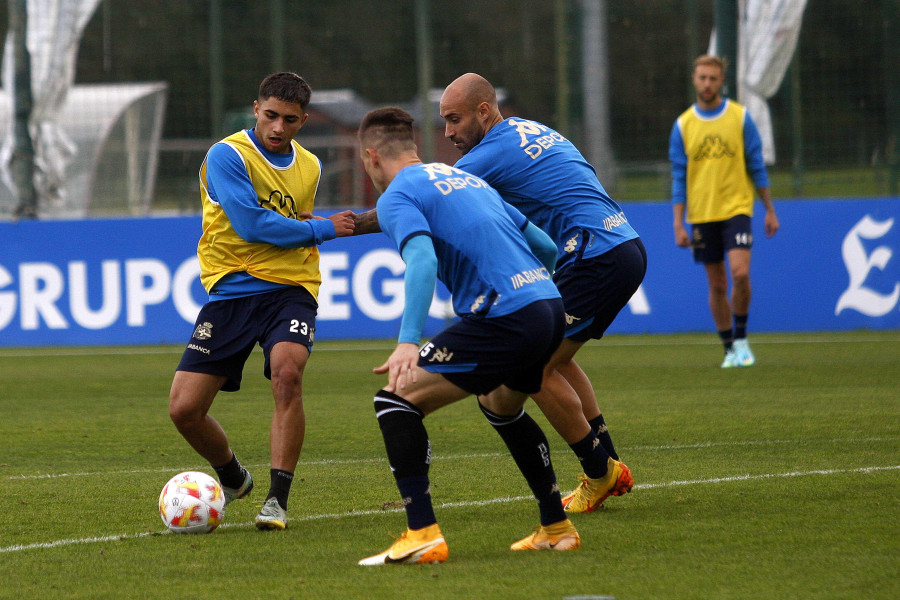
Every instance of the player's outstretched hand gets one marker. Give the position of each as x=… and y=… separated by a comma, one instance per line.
x=343, y=223
x=400, y=367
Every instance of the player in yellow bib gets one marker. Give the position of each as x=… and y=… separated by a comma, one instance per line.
x=260, y=264
x=716, y=155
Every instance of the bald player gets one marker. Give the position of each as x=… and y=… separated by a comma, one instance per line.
x=600, y=262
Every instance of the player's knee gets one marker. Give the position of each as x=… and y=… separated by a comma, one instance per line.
x=718, y=287
x=740, y=276
x=182, y=412
x=287, y=378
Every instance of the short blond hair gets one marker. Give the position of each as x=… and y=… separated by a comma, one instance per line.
x=711, y=60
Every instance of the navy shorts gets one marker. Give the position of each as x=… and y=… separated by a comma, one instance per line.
x=595, y=289
x=480, y=354
x=710, y=241
x=227, y=330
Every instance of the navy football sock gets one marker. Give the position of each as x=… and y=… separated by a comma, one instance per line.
x=531, y=451
x=591, y=455
x=598, y=426
x=231, y=474
x=409, y=454
x=281, y=486
x=740, y=326
x=415, y=493
x=727, y=336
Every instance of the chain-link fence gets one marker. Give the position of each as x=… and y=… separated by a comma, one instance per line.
x=835, y=116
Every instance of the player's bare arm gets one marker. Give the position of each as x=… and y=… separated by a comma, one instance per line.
x=771, y=220
x=366, y=222
x=681, y=235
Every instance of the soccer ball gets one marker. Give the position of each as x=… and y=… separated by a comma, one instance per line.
x=192, y=502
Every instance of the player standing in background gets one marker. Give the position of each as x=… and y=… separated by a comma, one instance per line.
x=450, y=225
x=600, y=263
x=260, y=264
x=716, y=155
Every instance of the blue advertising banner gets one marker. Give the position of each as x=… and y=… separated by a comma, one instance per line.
x=834, y=265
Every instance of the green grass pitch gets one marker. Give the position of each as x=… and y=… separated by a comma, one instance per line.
x=777, y=481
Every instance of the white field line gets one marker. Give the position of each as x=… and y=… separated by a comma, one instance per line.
x=439, y=458
x=387, y=345
x=464, y=504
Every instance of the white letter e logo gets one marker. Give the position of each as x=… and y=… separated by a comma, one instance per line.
x=857, y=297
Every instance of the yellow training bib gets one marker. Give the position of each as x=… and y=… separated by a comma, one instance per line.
x=288, y=191
x=718, y=184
